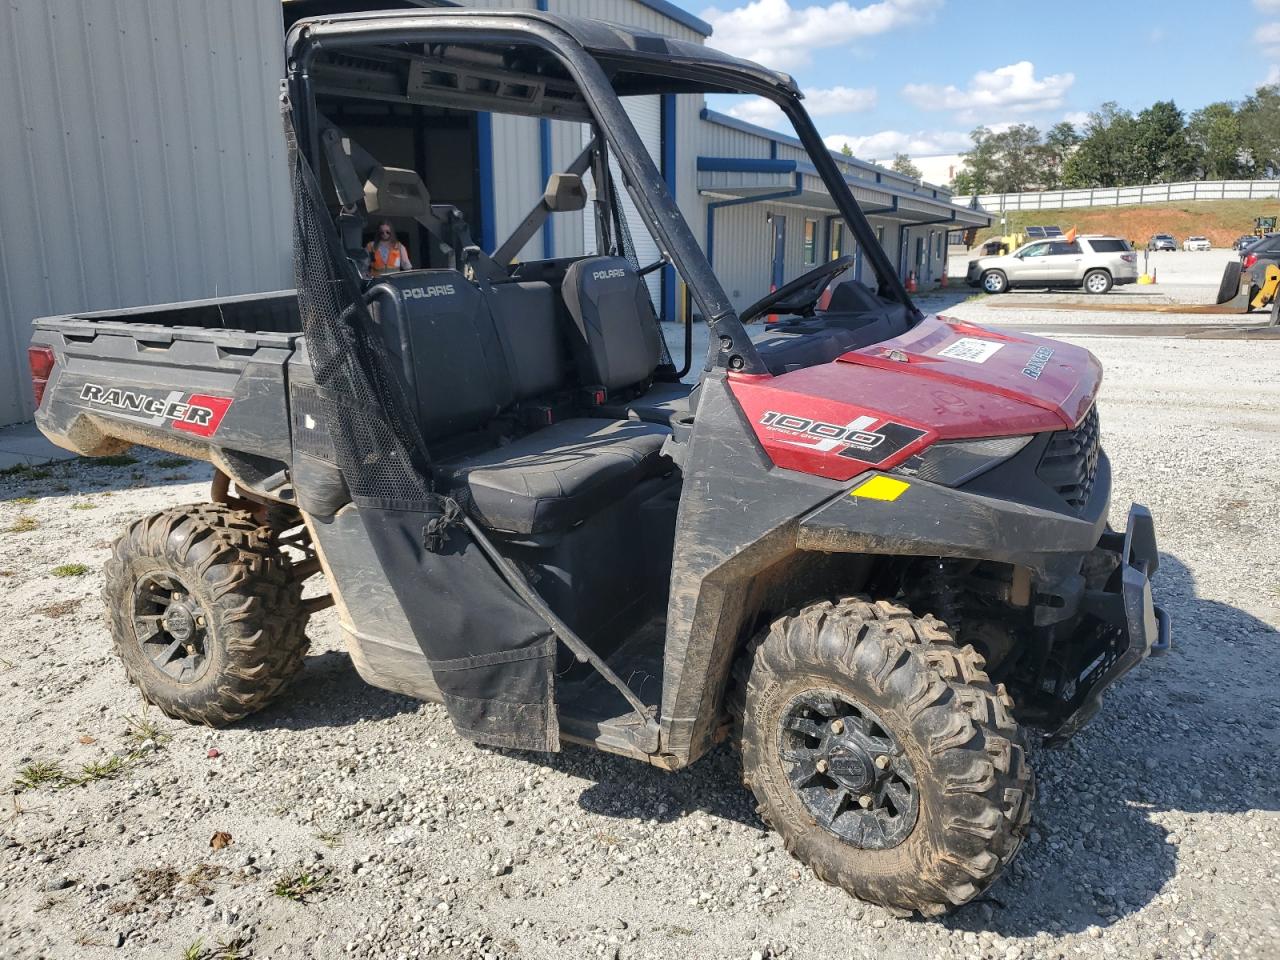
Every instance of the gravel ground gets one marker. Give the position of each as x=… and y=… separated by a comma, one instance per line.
x=1156, y=832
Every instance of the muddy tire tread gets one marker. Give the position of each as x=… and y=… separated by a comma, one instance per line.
x=256, y=607
x=971, y=734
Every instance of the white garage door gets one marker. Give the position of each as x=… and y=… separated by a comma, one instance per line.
x=646, y=116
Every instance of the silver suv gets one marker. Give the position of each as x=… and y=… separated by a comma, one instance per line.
x=1094, y=263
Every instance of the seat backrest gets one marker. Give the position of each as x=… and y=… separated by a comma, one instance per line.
x=614, y=333
x=529, y=328
x=439, y=324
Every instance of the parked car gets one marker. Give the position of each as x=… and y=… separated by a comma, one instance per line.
x=1162, y=241
x=1242, y=242
x=1094, y=263
x=1255, y=258
x=1197, y=243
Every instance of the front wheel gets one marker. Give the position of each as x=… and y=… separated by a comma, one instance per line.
x=881, y=752
x=1097, y=281
x=994, y=281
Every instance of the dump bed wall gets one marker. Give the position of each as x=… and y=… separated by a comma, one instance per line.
x=146, y=377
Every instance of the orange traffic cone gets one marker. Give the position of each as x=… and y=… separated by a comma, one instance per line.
x=911, y=282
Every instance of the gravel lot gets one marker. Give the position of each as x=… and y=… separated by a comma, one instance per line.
x=1156, y=834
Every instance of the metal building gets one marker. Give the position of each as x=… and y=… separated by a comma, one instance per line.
x=143, y=162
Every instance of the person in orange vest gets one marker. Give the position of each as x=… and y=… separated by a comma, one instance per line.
x=386, y=253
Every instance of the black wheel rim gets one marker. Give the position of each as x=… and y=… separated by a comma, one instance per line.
x=171, y=627
x=848, y=770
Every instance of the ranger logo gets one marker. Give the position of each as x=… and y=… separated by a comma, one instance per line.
x=196, y=413
x=858, y=440
x=1035, y=366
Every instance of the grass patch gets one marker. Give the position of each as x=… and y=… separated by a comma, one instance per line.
x=114, y=460
x=24, y=501
x=301, y=886
x=84, y=505
x=195, y=950
x=170, y=463
x=23, y=524
x=142, y=728
x=25, y=471
x=69, y=570
x=113, y=766
x=330, y=838
x=38, y=774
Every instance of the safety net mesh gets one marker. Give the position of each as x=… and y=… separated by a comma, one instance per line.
x=491, y=656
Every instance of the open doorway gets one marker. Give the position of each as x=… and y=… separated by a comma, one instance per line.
x=439, y=144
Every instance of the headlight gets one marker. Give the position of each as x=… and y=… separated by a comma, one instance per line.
x=954, y=462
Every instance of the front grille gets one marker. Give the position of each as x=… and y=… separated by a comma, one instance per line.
x=1070, y=462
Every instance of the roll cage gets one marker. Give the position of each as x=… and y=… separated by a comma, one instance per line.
x=600, y=62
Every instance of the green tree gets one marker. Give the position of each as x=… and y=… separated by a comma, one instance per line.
x=1260, y=131
x=981, y=161
x=1161, y=151
x=847, y=150
x=902, y=164
x=1018, y=165
x=1059, y=143
x=962, y=183
x=1104, y=157
x=1217, y=143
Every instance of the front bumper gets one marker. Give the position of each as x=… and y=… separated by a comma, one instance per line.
x=1140, y=628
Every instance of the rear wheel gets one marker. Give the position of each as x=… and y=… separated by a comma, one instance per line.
x=205, y=613
x=1097, y=281
x=994, y=281
x=882, y=753
x=1275, y=311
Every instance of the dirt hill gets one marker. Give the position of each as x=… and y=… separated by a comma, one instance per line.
x=1219, y=220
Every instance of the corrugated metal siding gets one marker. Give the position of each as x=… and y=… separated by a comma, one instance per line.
x=143, y=160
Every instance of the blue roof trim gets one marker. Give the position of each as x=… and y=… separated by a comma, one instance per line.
x=724, y=120
x=745, y=165
x=683, y=17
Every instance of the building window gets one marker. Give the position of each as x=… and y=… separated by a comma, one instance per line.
x=811, y=241
x=837, y=239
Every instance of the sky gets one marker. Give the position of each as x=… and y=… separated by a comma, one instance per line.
x=915, y=76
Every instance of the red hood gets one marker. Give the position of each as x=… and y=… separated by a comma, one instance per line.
x=1047, y=374
x=942, y=380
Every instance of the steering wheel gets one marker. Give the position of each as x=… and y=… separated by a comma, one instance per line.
x=800, y=294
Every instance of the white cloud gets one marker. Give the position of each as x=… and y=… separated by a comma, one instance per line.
x=1267, y=36
x=1013, y=89
x=819, y=103
x=774, y=33
x=1077, y=118
x=1267, y=6
x=887, y=143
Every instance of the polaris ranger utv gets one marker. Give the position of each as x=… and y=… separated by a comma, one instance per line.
x=867, y=547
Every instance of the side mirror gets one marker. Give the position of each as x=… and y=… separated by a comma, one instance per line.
x=565, y=193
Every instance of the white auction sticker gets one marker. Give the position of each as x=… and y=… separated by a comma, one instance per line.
x=970, y=349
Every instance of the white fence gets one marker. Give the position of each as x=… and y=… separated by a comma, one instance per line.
x=1120, y=196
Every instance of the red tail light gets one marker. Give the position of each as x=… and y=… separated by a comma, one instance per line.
x=1250, y=260
x=1129, y=257
x=41, y=361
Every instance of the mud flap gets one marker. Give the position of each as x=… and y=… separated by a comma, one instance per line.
x=491, y=656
